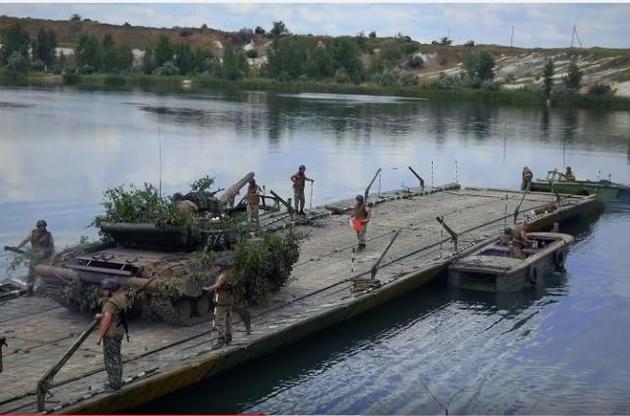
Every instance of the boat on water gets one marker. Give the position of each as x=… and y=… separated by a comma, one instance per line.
x=605, y=190
x=495, y=267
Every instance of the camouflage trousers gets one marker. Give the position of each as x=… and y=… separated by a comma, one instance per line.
x=36, y=260
x=113, y=361
x=298, y=199
x=223, y=322
x=252, y=214
x=361, y=234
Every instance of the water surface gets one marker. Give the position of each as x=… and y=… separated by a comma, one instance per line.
x=562, y=349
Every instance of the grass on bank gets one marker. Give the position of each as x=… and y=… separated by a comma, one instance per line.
x=176, y=83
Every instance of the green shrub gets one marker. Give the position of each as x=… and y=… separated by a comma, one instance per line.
x=143, y=205
x=115, y=81
x=263, y=265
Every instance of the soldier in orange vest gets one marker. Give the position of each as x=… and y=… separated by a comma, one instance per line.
x=360, y=220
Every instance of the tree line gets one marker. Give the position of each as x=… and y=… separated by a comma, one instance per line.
x=290, y=58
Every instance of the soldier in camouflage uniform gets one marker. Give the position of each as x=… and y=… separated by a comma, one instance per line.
x=299, y=183
x=42, y=246
x=526, y=181
x=224, y=287
x=360, y=220
x=111, y=330
x=253, y=203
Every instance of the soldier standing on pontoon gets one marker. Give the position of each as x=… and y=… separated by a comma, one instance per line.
x=360, y=220
x=43, y=247
x=299, y=182
x=112, y=327
x=253, y=202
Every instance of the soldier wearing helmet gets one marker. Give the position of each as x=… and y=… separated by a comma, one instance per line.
x=526, y=181
x=113, y=322
x=224, y=288
x=253, y=202
x=299, y=182
x=360, y=220
x=42, y=249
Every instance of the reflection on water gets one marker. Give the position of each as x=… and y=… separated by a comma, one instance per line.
x=562, y=349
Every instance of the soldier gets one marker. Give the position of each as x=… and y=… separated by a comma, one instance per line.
x=185, y=205
x=253, y=202
x=526, y=182
x=110, y=333
x=42, y=246
x=224, y=287
x=569, y=175
x=299, y=182
x=360, y=220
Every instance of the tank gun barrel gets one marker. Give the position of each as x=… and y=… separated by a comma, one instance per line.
x=228, y=196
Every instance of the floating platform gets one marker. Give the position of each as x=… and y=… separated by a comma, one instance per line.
x=161, y=359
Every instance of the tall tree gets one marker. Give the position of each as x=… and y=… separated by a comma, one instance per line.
x=287, y=58
x=479, y=65
x=184, y=58
x=44, y=47
x=148, y=64
x=573, y=79
x=163, y=51
x=108, y=53
x=278, y=29
x=345, y=54
x=14, y=38
x=88, y=51
x=548, y=71
x=234, y=65
x=320, y=64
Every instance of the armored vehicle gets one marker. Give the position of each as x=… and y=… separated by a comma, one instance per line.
x=170, y=263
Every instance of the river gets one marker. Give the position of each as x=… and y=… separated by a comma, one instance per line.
x=561, y=349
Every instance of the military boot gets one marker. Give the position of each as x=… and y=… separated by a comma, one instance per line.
x=219, y=344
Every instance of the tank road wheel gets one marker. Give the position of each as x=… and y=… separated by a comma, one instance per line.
x=181, y=312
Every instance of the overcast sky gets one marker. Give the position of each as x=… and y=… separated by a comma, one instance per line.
x=536, y=25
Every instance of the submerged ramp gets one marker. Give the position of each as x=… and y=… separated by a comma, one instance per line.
x=161, y=359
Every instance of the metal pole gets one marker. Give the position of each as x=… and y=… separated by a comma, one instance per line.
x=432, y=170
x=380, y=258
x=160, y=155
x=214, y=316
x=352, y=265
x=456, y=174
x=43, y=384
x=506, y=207
x=310, y=201
x=419, y=178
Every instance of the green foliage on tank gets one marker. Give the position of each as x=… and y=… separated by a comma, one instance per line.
x=130, y=204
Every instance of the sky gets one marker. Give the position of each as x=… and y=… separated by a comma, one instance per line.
x=535, y=25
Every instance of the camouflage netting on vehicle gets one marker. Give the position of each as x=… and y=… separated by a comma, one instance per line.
x=140, y=205
x=263, y=265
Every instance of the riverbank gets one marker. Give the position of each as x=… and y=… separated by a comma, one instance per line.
x=186, y=84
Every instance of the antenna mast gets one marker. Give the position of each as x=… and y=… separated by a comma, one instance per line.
x=160, y=156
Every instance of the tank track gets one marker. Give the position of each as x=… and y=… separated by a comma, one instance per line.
x=183, y=312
